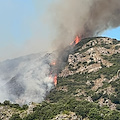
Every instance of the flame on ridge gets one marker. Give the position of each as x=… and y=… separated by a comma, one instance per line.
x=76, y=41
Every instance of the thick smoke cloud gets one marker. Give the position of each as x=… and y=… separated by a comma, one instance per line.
x=86, y=18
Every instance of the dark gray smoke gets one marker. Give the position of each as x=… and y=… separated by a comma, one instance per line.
x=103, y=14
x=86, y=18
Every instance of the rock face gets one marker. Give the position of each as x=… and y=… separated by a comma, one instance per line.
x=6, y=111
x=93, y=57
x=88, y=58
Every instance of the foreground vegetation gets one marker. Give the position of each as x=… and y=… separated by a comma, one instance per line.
x=46, y=111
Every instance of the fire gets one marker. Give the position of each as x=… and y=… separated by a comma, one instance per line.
x=76, y=41
x=55, y=80
x=53, y=74
x=53, y=63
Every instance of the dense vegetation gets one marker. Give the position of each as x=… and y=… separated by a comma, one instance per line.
x=17, y=106
x=46, y=111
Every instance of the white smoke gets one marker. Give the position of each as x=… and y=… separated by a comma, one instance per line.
x=26, y=79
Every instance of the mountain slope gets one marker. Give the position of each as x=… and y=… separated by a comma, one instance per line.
x=91, y=74
x=88, y=86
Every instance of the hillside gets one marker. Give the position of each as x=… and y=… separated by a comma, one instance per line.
x=88, y=87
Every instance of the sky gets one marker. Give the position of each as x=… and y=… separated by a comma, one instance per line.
x=112, y=33
x=24, y=29
x=22, y=26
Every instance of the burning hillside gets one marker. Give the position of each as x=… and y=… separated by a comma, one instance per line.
x=26, y=79
x=79, y=19
x=90, y=75
x=31, y=78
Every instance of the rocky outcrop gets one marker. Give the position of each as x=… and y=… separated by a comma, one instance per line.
x=68, y=116
x=89, y=58
x=6, y=111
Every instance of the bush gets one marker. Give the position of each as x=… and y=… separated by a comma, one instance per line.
x=25, y=107
x=6, y=102
x=15, y=106
x=81, y=110
x=118, y=107
x=114, y=99
x=15, y=117
x=96, y=96
x=113, y=115
x=94, y=114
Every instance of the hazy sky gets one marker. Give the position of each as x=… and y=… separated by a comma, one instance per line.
x=24, y=28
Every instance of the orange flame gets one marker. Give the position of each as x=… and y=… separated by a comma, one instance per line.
x=76, y=41
x=52, y=74
x=53, y=63
x=55, y=80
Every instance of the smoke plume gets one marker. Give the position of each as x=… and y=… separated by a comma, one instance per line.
x=26, y=79
x=86, y=18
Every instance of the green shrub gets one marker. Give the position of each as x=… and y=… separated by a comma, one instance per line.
x=94, y=114
x=15, y=117
x=115, y=99
x=25, y=107
x=118, y=107
x=96, y=96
